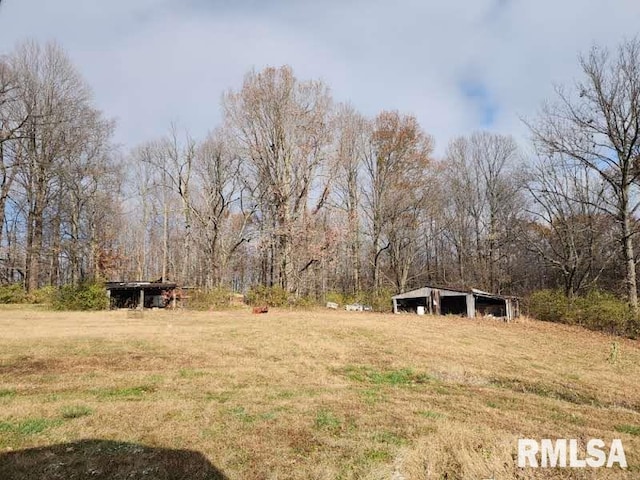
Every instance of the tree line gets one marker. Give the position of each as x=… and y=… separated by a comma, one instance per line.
x=298, y=191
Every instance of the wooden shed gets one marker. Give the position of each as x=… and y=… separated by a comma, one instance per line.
x=141, y=294
x=447, y=301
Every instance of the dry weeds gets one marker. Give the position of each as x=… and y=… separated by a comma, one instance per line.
x=320, y=394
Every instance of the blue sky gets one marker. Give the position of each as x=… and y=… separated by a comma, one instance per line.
x=458, y=66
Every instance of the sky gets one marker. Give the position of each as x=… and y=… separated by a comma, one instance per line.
x=457, y=65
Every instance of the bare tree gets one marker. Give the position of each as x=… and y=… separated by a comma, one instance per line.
x=567, y=227
x=281, y=128
x=57, y=103
x=396, y=172
x=11, y=121
x=223, y=206
x=597, y=124
x=484, y=200
x=86, y=180
x=353, y=139
x=155, y=189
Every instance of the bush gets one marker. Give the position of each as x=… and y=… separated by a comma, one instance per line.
x=43, y=295
x=270, y=296
x=596, y=311
x=213, y=299
x=603, y=311
x=260, y=295
x=341, y=299
x=549, y=305
x=336, y=297
x=13, y=293
x=85, y=296
x=380, y=301
x=303, y=302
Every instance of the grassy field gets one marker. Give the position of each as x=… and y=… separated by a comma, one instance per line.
x=305, y=395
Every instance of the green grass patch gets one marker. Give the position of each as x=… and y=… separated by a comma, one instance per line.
x=375, y=455
x=389, y=438
x=190, y=373
x=430, y=414
x=75, y=411
x=155, y=378
x=630, y=429
x=285, y=394
x=241, y=414
x=7, y=393
x=126, y=393
x=220, y=397
x=29, y=426
x=403, y=376
x=268, y=416
x=571, y=418
x=326, y=420
x=560, y=392
x=371, y=396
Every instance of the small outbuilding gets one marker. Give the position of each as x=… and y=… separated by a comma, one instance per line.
x=446, y=301
x=141, y=294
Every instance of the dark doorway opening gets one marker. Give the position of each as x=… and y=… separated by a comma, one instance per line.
x=412, y=304
x=491, y=306
x=453, y=305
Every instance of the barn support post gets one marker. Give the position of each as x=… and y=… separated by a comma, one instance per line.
x=141, y=305
x=435, y=300
x=395, y=306
x=471, y=306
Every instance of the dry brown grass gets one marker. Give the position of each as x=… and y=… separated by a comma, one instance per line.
x=319, y=394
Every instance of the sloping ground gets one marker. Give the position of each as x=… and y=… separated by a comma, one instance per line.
x=307, y=395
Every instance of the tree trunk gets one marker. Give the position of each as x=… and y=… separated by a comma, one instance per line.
x=630, y=263
x=165, y=240
x=54, y=274
x=35, y=252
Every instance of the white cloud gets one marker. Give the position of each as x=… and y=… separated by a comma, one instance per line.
x=152, y=61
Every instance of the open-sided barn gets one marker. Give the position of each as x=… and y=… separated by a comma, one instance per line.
x=141, y=294
x=447, y=301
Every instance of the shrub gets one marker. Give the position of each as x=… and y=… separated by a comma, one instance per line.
x=603, y=311
x=13, y=293
x=549, y=305
x=341, y=299
x=75, y=411
x=213, y=299
x=303, y=302
x=85, y=296
x=596, y=311
x=43, y=295
x=260, y=295
x=335, y=297
x=633, y=327
x=271, y=296
x=380, y=301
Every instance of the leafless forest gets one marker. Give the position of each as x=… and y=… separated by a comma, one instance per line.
x=294, y=189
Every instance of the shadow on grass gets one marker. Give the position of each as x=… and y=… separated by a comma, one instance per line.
x=104, y=459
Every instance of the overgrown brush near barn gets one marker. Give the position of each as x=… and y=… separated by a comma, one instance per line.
x=219, y=298
x=596, y=310
x=85, y=296
x=15, y=293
